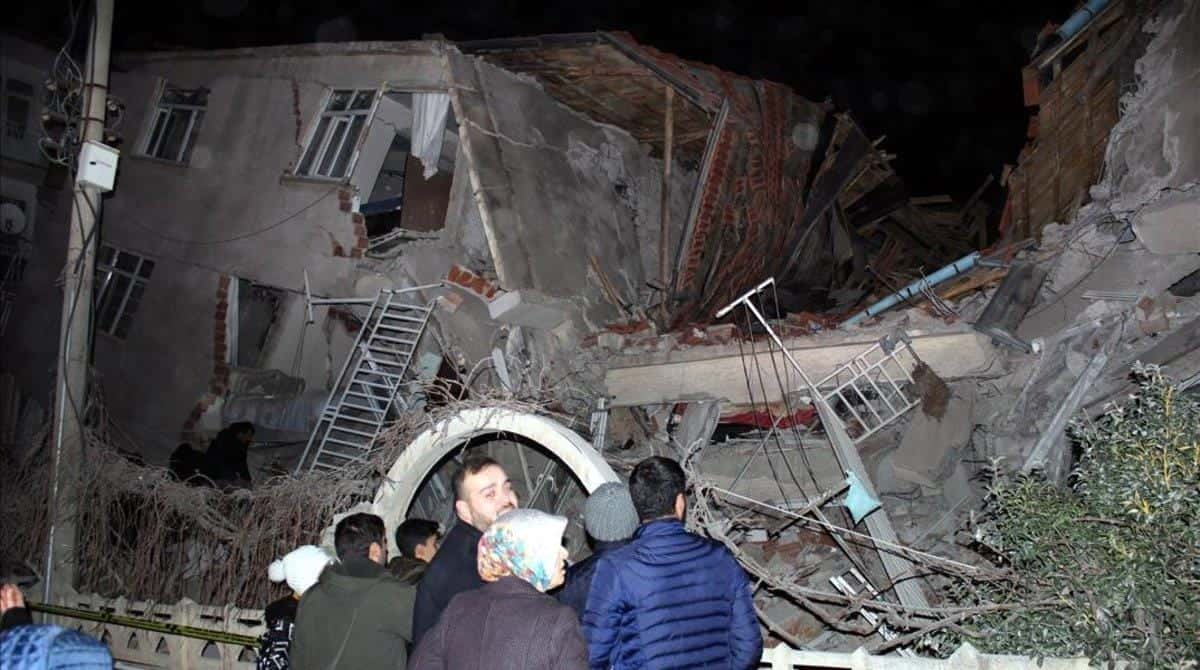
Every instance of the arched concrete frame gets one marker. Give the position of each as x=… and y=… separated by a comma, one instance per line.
x=419, y=458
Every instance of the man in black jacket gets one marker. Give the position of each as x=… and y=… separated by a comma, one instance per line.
x=225, y=460
x=610, y=520
x=482, y=492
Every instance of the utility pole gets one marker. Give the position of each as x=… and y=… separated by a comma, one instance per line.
x=74, y=344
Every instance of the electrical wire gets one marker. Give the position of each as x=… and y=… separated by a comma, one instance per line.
x=787, y=404
x=64, y=98
x=754, y=409
x=235, y=238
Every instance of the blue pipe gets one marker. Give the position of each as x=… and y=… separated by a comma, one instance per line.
x=1081, y=18
x=950, y=271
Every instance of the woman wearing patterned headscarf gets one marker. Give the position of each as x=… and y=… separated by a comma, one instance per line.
x=510, y=622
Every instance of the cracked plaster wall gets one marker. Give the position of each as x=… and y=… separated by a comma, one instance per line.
x=559, y=188
x=1155, y=146
x=268, y=228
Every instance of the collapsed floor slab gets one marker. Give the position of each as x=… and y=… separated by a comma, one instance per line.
x=719, y=371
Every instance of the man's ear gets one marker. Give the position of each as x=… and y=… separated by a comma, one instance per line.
x=463, y=511
x=377, y=553
x=680, y=506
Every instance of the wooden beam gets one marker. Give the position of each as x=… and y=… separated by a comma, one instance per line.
x=664, y=234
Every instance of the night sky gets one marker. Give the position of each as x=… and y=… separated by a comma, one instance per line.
x=941, y=79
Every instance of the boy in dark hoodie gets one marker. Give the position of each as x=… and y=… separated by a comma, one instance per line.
x=417, y=540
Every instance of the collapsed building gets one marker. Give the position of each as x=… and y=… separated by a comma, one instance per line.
x=586, y=207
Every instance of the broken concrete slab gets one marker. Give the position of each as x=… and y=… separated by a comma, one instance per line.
x=1170, y=225
x=526, y=308
x=1096, y=260
x=719, y=371
x=924, y=455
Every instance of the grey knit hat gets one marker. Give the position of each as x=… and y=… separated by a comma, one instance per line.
x=608, y=514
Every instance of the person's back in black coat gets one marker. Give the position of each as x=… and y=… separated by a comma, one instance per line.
x=452, y=571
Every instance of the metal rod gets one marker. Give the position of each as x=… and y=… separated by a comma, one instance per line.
x=664, y=233
x=948, y=272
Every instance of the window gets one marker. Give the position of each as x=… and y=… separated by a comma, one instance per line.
x=120, y=282
x=176, y=122
x=252, y=312
x=18, y=103
x=330, y=151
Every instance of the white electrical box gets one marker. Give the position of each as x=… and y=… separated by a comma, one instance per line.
x=97, y=166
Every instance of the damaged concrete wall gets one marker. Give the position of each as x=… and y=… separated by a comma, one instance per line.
x=1154, y=156
x=233, y=211
x=558, y=189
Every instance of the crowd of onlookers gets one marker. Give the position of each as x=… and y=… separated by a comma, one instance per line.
x=496, y=591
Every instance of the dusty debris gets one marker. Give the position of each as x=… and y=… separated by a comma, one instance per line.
x=930, y=442
x=932, y=391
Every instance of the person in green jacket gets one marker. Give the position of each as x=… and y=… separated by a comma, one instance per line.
x=357, y=616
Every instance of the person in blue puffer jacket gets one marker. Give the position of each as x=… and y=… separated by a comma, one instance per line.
x=670, y=598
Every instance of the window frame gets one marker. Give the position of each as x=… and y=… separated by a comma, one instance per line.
x=162, y=113
x=321, y=131
x=31, y=104
x=105, y=272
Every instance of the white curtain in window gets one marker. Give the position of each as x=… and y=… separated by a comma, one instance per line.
x=429, y=124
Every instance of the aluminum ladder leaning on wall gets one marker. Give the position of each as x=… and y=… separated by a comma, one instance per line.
x=371, y=378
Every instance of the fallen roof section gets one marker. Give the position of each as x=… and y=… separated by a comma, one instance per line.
x=781, y=179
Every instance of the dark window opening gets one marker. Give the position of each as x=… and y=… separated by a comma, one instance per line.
x=257, y=310
x=176, y=124
x=403, y=203
x=121, y=278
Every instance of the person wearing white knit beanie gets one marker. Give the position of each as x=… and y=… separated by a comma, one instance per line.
x=300, y=568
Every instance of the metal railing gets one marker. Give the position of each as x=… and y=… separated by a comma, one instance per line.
x=871, y=387
x=182, y=636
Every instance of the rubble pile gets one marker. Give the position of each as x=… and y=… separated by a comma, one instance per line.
x=629, y=254
x=1054, y=315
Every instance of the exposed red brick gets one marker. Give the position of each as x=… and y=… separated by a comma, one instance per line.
x=628, y=328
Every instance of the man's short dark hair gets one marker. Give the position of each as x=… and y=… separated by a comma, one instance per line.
x=471, y=465
x=241, y=427
x=414, y=532
x=356, y=533
x=654, y=484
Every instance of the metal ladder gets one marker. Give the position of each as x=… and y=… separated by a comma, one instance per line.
x=368, y=384
x=874, y=387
